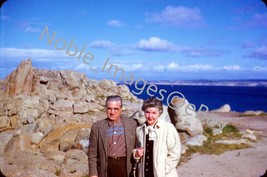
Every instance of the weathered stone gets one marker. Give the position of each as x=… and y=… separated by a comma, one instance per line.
x=61, y=114
x=26, y=115
x=88, y=98
x=4, y=121
x=253, y=113
x=250, y=136
x=29, y=164
x=85, y=144
x=45, y=126
x=183, y=116
x=4, y=139
x=80, y=108
x=65, y=146
x=224, y=108
x=55, y=134
x=72, y=79
x=216, y=131
x=22, y=80
x=78, y=93
x=19, y=142
x=104, y=84
x=52, y=98
x=76, y=162
x=239, y=141
x=95, y=107
x=36, y=137
x=2, y=109
x=69, y=136
x=30, y=101
x=44, y=105
x=43, y=80
x=10, y=107
x=55, y=155
x=52, y=146
x=196, y=140
x=14, y=121
x=63, y=105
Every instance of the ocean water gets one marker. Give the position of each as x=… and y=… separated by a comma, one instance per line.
x=240, y=98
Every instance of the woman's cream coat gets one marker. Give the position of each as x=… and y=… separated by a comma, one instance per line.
x=167, y=149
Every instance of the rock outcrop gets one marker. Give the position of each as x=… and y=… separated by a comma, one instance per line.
x=184, y=117
x=225, y=108
x=45, y=120
x=46, y=116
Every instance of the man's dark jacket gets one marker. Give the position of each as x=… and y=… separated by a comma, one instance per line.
x=97, y=154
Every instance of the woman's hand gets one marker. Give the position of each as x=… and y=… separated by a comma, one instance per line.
x=139, y=152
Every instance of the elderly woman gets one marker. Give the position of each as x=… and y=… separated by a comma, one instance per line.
x=159, y=146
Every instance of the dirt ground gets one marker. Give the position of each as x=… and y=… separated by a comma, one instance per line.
x=250, y=162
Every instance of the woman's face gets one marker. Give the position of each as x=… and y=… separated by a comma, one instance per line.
x=152, y=114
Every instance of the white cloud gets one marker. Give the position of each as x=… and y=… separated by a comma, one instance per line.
x=82, y=66
x=195, y=67
x=232, y=67
x=198, y=67
x=31, y=53
x=173, y=66
x=159, y=67
x=32, y=30
x=135, y=67
x=156, y=44
x=131, y=67
x=115, y=23
x=115, y=50
x=101, y=44
x=177, y=16
x=191, y=52
x=85, y=67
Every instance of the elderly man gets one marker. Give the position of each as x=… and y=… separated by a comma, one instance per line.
x=111, y=142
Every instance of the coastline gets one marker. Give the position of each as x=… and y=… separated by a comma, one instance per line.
x=230, y=83
x=240, y=98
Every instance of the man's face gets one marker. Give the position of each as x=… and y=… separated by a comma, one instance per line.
x=113, y=110
x=152, y=114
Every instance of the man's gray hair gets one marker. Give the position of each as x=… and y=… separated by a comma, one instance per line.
x=114, y=98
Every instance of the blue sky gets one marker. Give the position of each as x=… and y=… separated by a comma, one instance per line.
x=148, y=39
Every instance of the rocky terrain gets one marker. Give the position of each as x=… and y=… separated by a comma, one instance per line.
x=248, y=162
x=46, y=115
x=45, y=120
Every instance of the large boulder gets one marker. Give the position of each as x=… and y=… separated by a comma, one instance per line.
x=224, y=109
x=184, y=117
x=22, y=80
x=18, y=142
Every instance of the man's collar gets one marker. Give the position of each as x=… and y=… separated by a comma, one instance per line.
x=111, y=122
